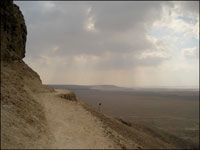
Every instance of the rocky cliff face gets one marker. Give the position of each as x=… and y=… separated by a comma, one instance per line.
x=13, y=32
x=23, y=123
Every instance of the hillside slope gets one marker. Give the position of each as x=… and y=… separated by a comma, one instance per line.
x=23, y=123
x=75, y=127
x=37, y=116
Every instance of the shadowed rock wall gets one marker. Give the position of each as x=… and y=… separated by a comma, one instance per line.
x=13, y=32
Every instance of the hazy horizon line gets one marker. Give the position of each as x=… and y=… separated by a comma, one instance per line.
x=162, y=86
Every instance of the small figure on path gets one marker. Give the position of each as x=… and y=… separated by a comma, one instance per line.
x=99, y=106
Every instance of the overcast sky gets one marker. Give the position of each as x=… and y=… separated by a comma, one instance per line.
x=128, y=43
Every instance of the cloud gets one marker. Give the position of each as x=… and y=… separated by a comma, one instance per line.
x=180, y=19
x=187, y=7
x=191, y=53
x=121, y=27
x=102, y=36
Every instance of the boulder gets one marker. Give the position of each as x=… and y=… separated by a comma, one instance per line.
x=69, y=96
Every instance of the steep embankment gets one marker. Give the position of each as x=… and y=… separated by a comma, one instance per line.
x=71, y=125
x=37, y=116
x=23, y=123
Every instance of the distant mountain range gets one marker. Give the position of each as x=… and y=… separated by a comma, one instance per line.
x=93, y=87
x=118, y=88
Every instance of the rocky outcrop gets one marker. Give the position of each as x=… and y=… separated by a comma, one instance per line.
x=13, y=32
x=69, y=96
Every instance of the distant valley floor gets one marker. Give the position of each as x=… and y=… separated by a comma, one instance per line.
x=174, y=112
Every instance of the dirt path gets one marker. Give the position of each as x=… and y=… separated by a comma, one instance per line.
x=71, y=125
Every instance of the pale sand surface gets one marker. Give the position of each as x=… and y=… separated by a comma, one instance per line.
x=71, y=125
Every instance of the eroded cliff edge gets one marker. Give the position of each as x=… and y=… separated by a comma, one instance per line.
x=13, y=32
x=23, y=122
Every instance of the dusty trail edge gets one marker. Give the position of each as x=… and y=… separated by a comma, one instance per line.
x=72, y=125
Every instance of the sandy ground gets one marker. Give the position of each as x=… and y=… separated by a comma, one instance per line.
x=71, y=125
x=35, y=116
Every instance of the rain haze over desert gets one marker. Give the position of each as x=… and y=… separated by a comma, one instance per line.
x=117, y=43
x=100, y=74
x=153, y=45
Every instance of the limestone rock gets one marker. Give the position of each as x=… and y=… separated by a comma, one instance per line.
x=13, y=32
x=69, y=96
